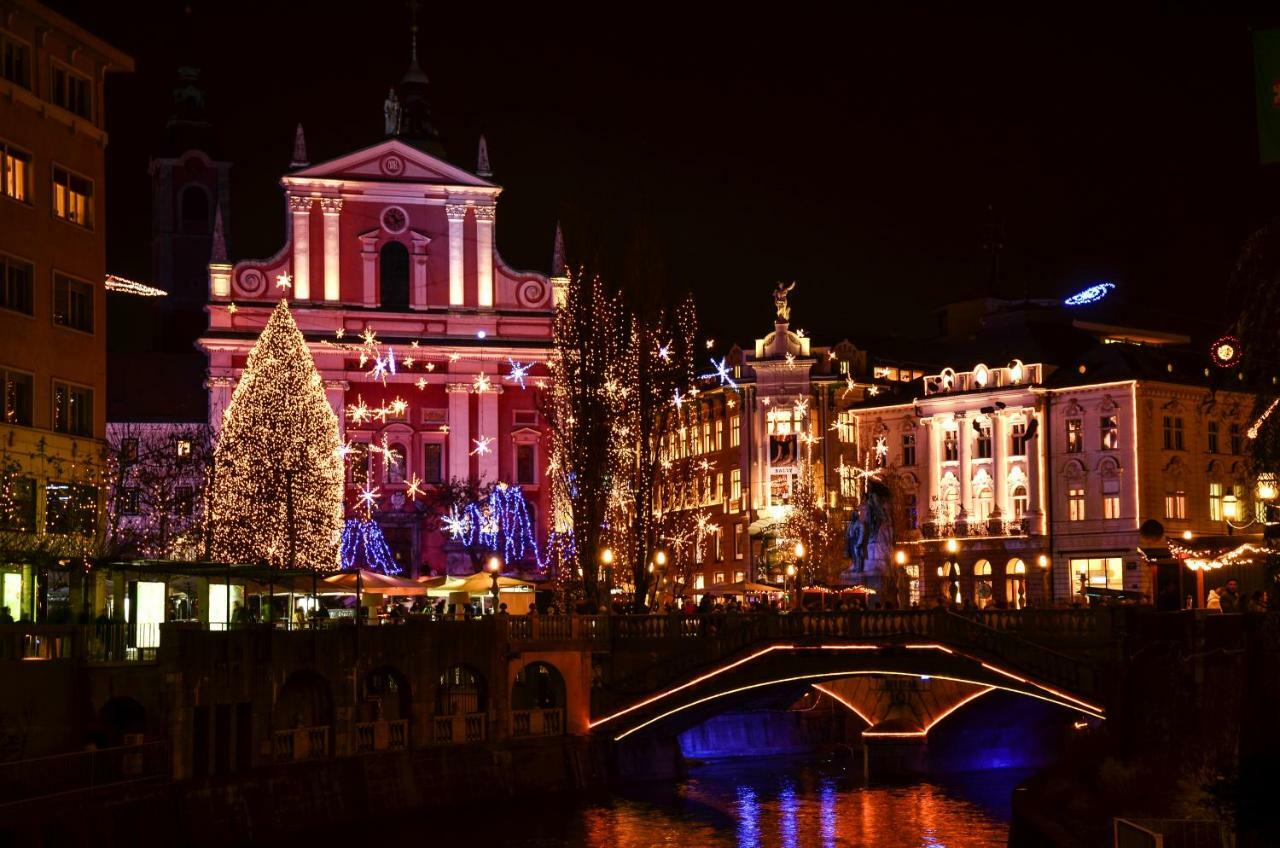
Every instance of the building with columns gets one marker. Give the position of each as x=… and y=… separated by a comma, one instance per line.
x=429, y=344
x=1027, y=482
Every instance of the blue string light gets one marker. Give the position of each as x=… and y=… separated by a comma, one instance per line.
x=1093, y=294
x=364, y=546
x=501, y=523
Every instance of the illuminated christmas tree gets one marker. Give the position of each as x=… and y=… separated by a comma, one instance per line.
x=277, y=479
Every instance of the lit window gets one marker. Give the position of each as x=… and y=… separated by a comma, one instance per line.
x=718, y=578
x=394, y=464
x=182, y=448
x=1098, y=572
x=72, y=198
x=433, y=462
x=699, y=582
x=1075, y=503
x=1215, y=501
x=1111, y=496
x=15, y=173
x=1075, y=435
x=735, y=489
x=1020, y=502
x=983, y=502
x=739, y=541
x=1110, y=432
x=70, y=508
x=1175, y=504
x=719, y=434
x=735, y=431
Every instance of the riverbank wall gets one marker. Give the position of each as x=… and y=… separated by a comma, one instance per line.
x=271, y=805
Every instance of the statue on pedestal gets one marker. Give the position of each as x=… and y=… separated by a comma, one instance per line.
x=391, y=113
x=780, y=300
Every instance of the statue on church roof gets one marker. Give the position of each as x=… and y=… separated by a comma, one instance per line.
x=391, y=113
x=780, y=300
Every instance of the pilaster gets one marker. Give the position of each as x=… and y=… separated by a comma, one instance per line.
x=331, y=208
x=300, y=212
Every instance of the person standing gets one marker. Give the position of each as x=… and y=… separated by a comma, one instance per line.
x=1229, y=596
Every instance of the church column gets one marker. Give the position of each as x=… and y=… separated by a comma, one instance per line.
x=335, y=391
x=456, y=212
x=220, y=389
x=300, y=209
x=963, y=433
x=1000, y=462
x=487, y=427
x=418, y=299
x=484, y=256
x=369, y=269
x=459, y=430
x=1033, y=474
x=331, y=207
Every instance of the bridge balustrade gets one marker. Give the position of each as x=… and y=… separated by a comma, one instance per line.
x=458, y=729
x=382, y=736
x=548, y=722
x=301, y=743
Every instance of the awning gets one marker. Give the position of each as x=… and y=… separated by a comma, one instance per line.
x=373, y=583
x=475, y=584
x=742, y=587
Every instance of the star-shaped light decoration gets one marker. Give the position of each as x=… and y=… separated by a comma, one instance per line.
x=722, y=372
x=678, y=400
x=444, y=428
x=421, y=383
x=801, y=406
x=368, y=497
x=399, y=406
x=284, y=281
x=664, y=352
x=413, y=487
x=344, y=451
x=481, y=383
x=389, y=454
x=791, y=360
x=454, y=357
x=518, y=372
x=693, y=391
x=882, y=450
x=368, y=336
x=849, y=385
x=711, y=343
x=705, y=465
x=359, y=412
x=831, y=355
x=540, y=383
x=455, y=524
x=430, y=366
x=413, y=343
x=406, y=362
x=482, y=445
x=231, y=308
x=766, y=401
x=340, y=332
x=730, y=403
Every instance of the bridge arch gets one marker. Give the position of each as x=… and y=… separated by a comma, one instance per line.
x=799, y=666
x=461, y=691
x=389, y=689
x=538, y=686
x=303, y=701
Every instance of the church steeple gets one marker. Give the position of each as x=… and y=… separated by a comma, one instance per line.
x=414, y=118
x=299, y=150
x=482, y=160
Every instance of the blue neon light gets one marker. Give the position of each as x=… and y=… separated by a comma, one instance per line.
x=1093, y=294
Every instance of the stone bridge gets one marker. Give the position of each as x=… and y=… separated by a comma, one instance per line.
x=664, y=674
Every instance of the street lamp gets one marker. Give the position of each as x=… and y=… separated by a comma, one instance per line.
x=606, y=559
x=494, y=567
x=791, y=573
x=1230, y=511
x=1043, y=562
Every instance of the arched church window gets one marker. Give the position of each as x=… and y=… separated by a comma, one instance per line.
x=395, y=464
x=194, y=210
x=393, y=275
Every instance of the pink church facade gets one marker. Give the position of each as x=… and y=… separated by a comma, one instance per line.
x=390, y=255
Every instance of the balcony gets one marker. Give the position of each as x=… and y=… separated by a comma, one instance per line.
x=549, y=722
x=963, y=529
x=301, y=743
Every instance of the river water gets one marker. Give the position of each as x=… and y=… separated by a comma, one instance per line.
x=771, y=802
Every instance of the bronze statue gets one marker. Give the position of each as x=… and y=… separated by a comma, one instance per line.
x=780, y=300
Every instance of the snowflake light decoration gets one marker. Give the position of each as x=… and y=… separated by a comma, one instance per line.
x=368, y=497
x=722, y=372
x=482, y=446
x=455, y=524
x=664, y=352
x=284, y=281
x=481, y=383
x=359, y=413
x=518, y=372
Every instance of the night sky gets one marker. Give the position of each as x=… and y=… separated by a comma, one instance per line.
x=856, y=155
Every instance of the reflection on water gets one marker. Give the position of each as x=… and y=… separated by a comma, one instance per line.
x=777, y=803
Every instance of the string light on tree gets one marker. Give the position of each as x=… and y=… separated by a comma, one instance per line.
x=279, y=436
x=364, y=546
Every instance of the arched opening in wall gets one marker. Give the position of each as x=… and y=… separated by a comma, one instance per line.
x=1015, y=583
x=984, y=499
x=193, y=209
x=393, y=275
x=538, y=701
x=121, y=721
x=949, y=582
x=1020, y=502
x=301, y=718
x=394, y=466
x=461, y=692
x=386, y=696
x=983, y=588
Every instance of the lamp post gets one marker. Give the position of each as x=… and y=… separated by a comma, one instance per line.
x=791, y=573
x=1230, y=511
x=606, y=559
x=494, y=567
x=1045, y=589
